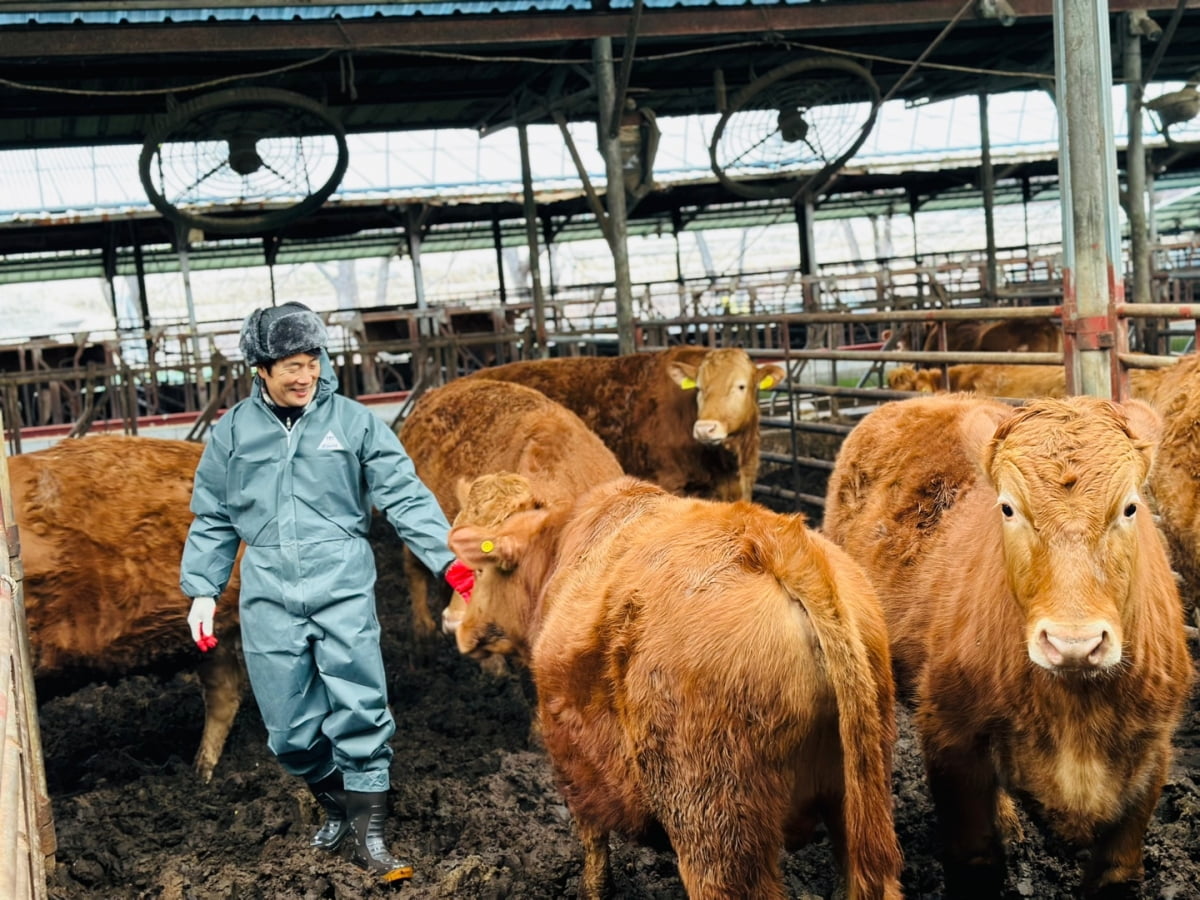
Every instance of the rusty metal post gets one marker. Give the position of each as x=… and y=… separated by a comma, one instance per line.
x=1092, y=283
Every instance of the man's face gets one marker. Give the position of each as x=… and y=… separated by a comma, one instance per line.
x=292, y=381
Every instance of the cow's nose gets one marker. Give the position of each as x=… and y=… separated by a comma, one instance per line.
x=709, y=431
x=1089, y=647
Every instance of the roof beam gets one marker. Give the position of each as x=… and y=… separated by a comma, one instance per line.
x=191, y=38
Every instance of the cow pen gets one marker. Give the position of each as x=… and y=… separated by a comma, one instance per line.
x=98, y=742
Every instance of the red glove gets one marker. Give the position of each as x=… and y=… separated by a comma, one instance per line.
x=200, y=620
x=207, y=641
x=460, y=577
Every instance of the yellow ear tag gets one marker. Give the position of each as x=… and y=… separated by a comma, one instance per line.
x=487, y=546
x=687, y=383
x=767, y=381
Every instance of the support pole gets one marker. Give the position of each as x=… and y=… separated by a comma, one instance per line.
x=139, y=266
x=1135, y=169
x=185, y=272
x=423, y=361
x=531, y=237
x=987, y=180
x=1092, y=285
x=610, y=149
x=498, y=245
x=805, y=213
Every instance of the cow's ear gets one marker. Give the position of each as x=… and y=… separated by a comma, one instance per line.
x=1145, y=427
x=978, y=429
x=501, y=546
x=683, y=374
x=1145, y=423
x=769, y=376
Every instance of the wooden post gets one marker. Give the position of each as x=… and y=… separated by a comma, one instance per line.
x=26, y=849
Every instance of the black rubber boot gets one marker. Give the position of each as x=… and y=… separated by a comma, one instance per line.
x=332, y=797
x=368, y=814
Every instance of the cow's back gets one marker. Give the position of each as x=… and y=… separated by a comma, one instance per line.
x=1038, y=335
x=103, y=521
x=1013, y=381
x=629, y=401
x=476, y=425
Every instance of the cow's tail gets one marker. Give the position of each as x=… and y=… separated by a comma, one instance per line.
x=844, y=612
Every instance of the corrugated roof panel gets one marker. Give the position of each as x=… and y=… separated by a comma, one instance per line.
x=285, y=13
x=85, y=16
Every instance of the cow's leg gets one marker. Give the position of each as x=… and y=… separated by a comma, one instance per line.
x=1115, y=867
x=716, y=807
x=419, y=584
x=594, y=884
x=965, y=793
x=222, y=681
x=711, y=869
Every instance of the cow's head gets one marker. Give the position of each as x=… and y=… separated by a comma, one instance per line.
x=1068, y=476
x=498, y=532
x=726, y=383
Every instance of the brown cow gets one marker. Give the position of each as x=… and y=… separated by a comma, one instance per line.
x=1011, y=381
x=1032, y=613
x=685, y=418
x=1032, y=335
x=712, y=671
x=1175, y=478
x=474, y=426
x=102, y=524
x=989, y=380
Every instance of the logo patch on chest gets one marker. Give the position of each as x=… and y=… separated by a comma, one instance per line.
x=329, y=442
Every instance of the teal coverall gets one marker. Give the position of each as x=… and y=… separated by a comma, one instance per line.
x=301, y=501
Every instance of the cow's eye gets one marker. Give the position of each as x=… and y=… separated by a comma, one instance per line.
x=1130, y=509
x=1007, y=510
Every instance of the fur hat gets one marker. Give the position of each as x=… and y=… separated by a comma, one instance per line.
x=277, y=332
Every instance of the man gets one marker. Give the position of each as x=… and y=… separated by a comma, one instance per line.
x=292, y=471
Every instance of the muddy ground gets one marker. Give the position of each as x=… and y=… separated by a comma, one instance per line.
x=475, y=807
